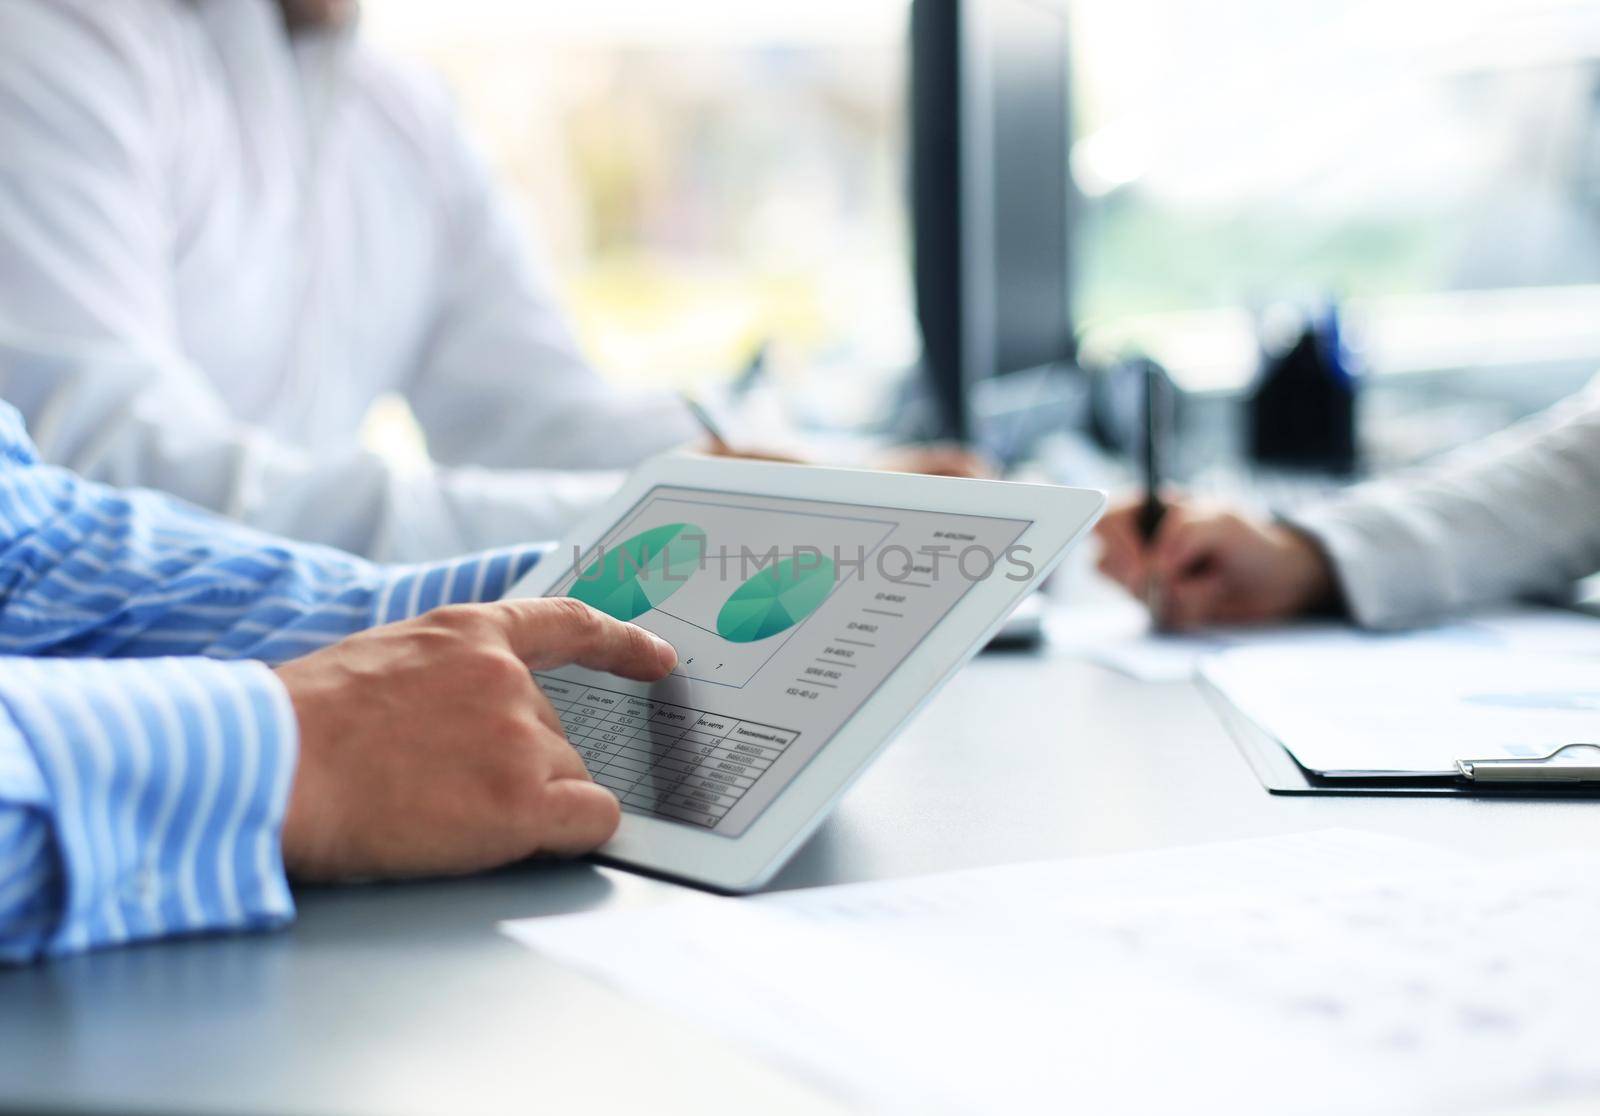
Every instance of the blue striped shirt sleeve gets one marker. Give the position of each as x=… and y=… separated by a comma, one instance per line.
x=146, y=750
x=410, y=591
x=142, y=799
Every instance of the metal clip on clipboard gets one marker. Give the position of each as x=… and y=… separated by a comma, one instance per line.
x=1557, y=767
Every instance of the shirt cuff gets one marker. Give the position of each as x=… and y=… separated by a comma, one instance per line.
x=412, y=590
x=1388, y=574
x=162, y=789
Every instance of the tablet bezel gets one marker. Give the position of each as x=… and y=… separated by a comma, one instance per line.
x=1058, y=517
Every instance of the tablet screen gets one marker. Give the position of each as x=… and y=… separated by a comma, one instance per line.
x=786, y=614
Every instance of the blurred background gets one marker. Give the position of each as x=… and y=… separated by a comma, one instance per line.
x=713, y=178
x=706, y=177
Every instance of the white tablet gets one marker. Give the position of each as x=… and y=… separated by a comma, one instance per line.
x=813, y=611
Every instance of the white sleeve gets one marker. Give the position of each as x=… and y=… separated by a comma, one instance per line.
x=1515, y=517
x=502, y=381
x=88, y=342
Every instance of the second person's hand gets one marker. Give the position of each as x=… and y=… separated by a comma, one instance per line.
x=1211, y=565
x=934, y=459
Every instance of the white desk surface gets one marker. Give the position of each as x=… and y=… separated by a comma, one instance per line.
x=404, y=998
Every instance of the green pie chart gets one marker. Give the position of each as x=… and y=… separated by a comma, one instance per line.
x=776, y=599
x=636, y=575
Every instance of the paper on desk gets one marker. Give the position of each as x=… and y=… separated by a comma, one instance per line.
x=1270, y=975
x=1118, y=634
x=1550, y=631
x=1412, y=705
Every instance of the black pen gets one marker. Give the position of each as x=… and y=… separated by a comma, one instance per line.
x=719, y=444
x=1153, y=510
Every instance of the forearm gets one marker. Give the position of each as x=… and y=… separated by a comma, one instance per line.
x=209, y=588
x=99, y=572
x=1516, y=517
x=130, y=421
x=500, y=399
x=138, y=800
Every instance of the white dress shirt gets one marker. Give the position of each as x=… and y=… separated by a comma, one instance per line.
x=218, y=244
x=1514, y=517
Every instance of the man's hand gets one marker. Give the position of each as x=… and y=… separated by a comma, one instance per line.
x=1213, y=566
x=426, y=747
x=930, y=458
x=937, y=459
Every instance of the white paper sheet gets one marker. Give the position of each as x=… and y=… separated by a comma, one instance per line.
x=1331, y=972
x=1547, y=631
x=1412, y=705
x=1118, y=635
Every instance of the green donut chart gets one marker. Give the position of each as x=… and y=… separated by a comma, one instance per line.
x=776, y=599
x=636, y=575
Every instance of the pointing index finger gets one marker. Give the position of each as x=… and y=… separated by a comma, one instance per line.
x=555, y=631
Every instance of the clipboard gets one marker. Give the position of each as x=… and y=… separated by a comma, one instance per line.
x=1551, y=776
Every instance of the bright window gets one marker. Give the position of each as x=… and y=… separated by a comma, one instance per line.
x=712, y=175
x=1435, y=162
x=708, y=176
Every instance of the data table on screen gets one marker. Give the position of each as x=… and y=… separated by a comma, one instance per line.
x=688, y=764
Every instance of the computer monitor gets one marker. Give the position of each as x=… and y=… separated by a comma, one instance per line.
x=992, y=195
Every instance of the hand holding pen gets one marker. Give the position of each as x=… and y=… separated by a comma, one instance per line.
x=1207, y=565
x=1194, y=565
